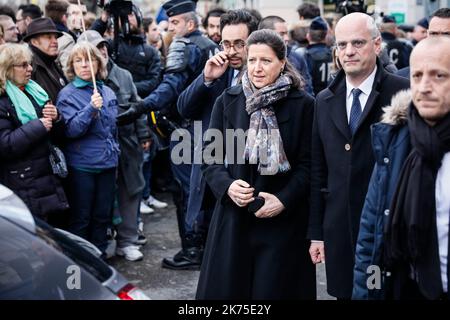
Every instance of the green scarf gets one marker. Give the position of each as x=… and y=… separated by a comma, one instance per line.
x=80, y=83
x=23, y=105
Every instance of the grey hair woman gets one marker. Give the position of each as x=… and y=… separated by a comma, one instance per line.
x=92, y=150
x=79, y=51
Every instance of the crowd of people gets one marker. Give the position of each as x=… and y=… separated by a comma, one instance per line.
x=347, y=154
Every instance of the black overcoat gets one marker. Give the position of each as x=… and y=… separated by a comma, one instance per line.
x=253, y=258
x=341, y=166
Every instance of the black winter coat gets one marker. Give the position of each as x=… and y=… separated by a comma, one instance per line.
x=24, y=161
x=253, y=258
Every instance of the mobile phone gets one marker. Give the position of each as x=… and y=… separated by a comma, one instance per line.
x=256, y=204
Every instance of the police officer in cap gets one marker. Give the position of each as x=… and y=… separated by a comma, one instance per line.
x=397, y=50
x=317, y=54
x=186, y=59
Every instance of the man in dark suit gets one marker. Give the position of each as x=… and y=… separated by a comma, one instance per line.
x=342, y=158
x=195, y=103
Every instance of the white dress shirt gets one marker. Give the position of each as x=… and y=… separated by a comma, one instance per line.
x=365, y=87
x=443, y=214
x=234, y=80
x=235, y=77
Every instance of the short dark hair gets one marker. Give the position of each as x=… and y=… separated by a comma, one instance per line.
x=146, y=22
x=216, y=12
x=276, y=43
x=317, y=35
x=56, y=9
x=31, y=10
x=8, y=11
x=308, y=10
x=255, y=13
x=442, y=13
x=233, y=17
x=269, y=22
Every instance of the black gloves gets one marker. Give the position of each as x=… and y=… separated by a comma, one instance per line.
x=134, y=111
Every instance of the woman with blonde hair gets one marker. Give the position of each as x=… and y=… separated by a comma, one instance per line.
x=92, y=150
x=28, y=122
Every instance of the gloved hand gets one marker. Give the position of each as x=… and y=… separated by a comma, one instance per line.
x=134, y=111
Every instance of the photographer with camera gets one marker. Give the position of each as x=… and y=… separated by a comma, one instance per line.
x=133, y=140
x=129, y=49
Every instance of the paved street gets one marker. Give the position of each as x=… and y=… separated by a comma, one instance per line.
x=163, y=241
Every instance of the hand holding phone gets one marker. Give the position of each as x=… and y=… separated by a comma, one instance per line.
x=256, y=204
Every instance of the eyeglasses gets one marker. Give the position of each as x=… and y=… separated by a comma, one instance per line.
x=357, y=43
x=237, y=44
x=23, y=65
x=438, y=33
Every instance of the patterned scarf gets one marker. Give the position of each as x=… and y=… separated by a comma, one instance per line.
x=264, y=145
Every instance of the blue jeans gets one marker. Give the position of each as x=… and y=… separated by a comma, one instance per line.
x=91, y=197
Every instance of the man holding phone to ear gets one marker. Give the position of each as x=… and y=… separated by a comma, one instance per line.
x=221, y=71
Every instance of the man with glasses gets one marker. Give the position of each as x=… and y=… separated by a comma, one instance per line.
x=341, y=156
x=196, y=102
x=11, y=33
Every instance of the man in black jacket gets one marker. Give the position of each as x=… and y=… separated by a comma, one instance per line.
x=341, y=156
x=42, y=38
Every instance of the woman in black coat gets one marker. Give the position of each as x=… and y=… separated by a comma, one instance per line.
x=262, y=254
x=27, y=121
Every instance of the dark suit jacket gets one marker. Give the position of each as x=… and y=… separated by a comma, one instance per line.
x=340, y=173
x=196, y=103
x=248, y=257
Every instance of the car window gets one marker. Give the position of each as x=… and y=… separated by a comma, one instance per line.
x=95, y=266
x=30, y=268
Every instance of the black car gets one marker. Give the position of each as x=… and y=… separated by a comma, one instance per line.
x=39, y=262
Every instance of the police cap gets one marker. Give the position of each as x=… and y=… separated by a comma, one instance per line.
x=423, y=23
x=389, y=19
x=176, y=7
x=318, y=24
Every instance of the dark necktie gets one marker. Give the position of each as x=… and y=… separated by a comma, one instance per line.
x=355, y=112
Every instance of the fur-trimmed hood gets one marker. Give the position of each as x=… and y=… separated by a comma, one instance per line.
x=397, y=112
